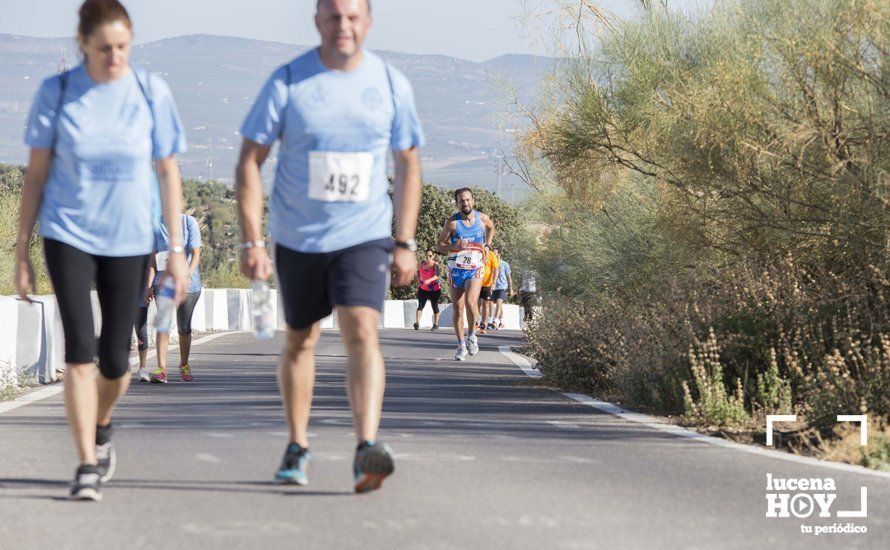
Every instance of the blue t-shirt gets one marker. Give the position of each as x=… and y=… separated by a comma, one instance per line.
x=323, y=117
x=191, y=237
x=98, y=196
x=503, y=273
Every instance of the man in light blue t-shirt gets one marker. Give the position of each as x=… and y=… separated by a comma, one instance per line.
x=503, y=288
x=338, y=110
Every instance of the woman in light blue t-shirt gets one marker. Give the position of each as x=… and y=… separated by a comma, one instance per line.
x=94, y=134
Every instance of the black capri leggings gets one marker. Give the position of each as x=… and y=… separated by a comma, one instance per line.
x=119, y=282
x=183, y=319
x=428, y=295
x=185, y=311
x=142, y=328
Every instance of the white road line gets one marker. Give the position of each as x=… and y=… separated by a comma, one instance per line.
x=520, y=362
x=57, y=387
x=662, y=426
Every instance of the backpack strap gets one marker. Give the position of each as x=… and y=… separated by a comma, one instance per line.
x=392, y=89
x=63, y=86
x=145, y=88
x=288, y=80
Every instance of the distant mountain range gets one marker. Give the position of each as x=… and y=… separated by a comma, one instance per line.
x=464, y=106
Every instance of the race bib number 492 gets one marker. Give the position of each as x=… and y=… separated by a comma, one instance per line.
x=340, y=177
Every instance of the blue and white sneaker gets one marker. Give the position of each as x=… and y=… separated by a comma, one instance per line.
x=294, y=466
x=373, y=463
x=461, y=353
x=473, y=344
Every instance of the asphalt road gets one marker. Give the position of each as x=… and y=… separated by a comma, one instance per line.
x=486, y=458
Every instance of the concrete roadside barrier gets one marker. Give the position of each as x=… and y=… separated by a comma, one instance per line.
x=31, y=337
x=9, y=317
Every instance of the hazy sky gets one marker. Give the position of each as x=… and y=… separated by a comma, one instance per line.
x=470, y=29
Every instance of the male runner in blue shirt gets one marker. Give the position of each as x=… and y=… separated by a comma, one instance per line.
x=337, y=110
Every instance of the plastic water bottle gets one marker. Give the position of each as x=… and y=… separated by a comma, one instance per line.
x=165, y=301
x=263, y=324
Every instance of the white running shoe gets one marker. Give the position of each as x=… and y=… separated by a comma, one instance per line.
x=473, y=344
x=143, y=375
x=461, y=353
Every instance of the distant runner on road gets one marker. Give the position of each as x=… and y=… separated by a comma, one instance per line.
x=95, y=133
x=191, y=235
x=492, y=265
x=466, y=238
x=528, y=292
x=337, y=110
x=503, y=289
x=429, y=288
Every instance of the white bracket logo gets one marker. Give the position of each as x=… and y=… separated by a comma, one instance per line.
x=770, y=418
x=863, y=425
x=861, y=418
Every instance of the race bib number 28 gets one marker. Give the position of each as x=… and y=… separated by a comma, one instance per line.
x=466, y=259
x=340, y=177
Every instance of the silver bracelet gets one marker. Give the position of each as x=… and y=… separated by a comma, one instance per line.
x=247, y=245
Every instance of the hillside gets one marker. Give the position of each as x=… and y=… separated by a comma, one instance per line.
x=462, y=104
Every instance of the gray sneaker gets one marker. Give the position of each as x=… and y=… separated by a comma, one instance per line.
x=473, y=344
x=86, y=484
x=461, y=353
x=106, y=458
x=373, y=463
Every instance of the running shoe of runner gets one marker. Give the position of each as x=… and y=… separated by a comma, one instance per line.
x=373, y=463
x=472, y=344
x=338, y=111
x=464, y=238
x=87, y=484
x=294, y=466
x=158, y=376
x=461, y=353
x=106, y=457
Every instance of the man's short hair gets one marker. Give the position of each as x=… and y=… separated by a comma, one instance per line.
x=318, y=5
x=461, y=191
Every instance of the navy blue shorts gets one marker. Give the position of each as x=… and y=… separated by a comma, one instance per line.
x=312, y=284
x=499, y=295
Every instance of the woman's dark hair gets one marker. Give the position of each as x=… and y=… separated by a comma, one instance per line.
x=430, y=251
x=95, y=13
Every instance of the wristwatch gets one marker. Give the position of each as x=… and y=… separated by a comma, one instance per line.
x=247, y=245
x=410, y=244
x=178, y=249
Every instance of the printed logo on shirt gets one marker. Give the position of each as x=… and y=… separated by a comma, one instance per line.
x=316, y=97
x=109, y=168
